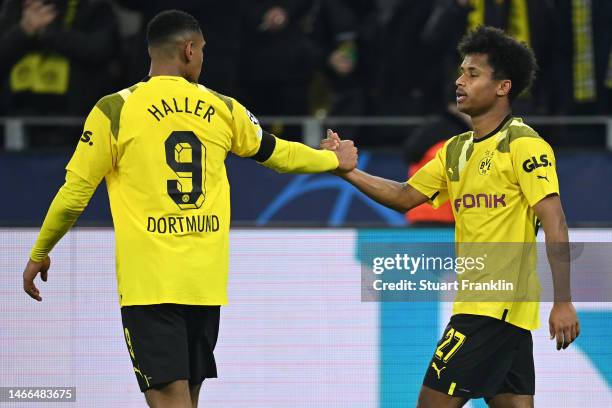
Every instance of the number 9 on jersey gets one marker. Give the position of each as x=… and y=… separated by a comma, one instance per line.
x=184, y=156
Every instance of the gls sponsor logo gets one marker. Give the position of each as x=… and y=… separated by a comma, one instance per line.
x=86, y=137
x=530, y=165
x=480, y=201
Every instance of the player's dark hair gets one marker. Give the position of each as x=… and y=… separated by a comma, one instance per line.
x=167, y=24
x=509, y=58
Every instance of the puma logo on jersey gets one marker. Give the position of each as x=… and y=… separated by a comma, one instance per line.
x=544, y=177
x=438, y=370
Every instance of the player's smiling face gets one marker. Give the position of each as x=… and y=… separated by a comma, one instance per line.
x=477, y=89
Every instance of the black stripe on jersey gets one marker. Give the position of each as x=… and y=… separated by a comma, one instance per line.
x=504, y=315
x=433, y=197
x=266, y=148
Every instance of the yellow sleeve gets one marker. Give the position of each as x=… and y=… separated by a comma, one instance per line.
x=534, y=165
x=247, y=132
x=249, y=140
x=294, y=157
x=67, y=206
x=430, y=179
x=93, y=158
x=95, y=153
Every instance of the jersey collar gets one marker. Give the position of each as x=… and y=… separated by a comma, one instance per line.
x=164, y=77
x=496, y=130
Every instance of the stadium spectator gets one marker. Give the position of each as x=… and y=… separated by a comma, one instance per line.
x=54, y=56
x=276, y=59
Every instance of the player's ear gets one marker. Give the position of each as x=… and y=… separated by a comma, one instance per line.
x=504, y=87
x=188, y=50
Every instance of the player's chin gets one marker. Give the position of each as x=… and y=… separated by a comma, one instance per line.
x=464, y=108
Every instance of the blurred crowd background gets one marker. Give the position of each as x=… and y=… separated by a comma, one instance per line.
x=321, y=58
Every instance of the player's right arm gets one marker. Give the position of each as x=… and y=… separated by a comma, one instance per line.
x=427, y=185
x=92, y=160
x=398, y=196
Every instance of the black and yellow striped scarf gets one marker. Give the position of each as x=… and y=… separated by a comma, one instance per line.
x=517, y=25
x=583, y=66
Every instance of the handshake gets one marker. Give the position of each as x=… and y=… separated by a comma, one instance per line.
x=344, y=149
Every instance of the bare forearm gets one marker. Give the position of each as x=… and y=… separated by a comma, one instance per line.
x=558, y=252
x=386, y=192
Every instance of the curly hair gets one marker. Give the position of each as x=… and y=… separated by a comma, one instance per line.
x=509, y=58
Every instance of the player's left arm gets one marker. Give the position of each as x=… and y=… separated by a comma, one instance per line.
x=535, y=168
x=92, y=160
x=563, y=321
x=283, y=156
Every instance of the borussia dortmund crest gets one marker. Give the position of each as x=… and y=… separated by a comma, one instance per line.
x=486, y=163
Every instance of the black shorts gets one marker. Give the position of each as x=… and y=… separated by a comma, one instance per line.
x=481, y=357
x=169, y=342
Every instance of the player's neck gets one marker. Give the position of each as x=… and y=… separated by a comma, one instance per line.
x=161, y=69
x=489, y=121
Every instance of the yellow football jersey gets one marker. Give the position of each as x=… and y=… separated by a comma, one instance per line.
x=161, y=145
x=492, y=184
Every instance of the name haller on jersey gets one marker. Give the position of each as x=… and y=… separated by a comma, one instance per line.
x=182, y=224
x=182, y=106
